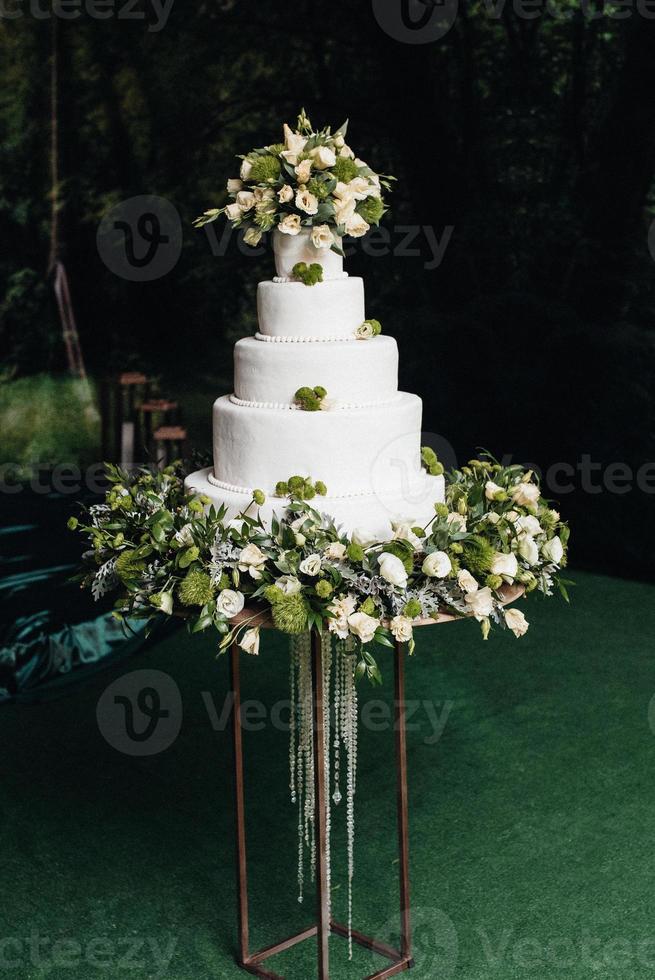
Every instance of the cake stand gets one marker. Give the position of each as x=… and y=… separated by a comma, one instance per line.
x=400, y=959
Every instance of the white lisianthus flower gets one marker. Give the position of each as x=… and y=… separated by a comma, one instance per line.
x=230, y=603
x=165, y=602
x=516, y=621
x=492, y=491
x=252, y=236
x=300, y=539
x=342, y=192
x=184, y=535
x=358, y=187
x=285, y=194
x=340, y=610
x=554, y=516
x=356, y=226
x=528, y=549
x=456, y=523
x=306, y=202
x=249, y=642
x=303, y=171
x=252, y=560
x=401, y=628
x=294, y=145
x=392, y=569
x=437, y=565
x=264, y=194
x=344, y=210
x=553, y=550
x=234, y=185
x=374, y=189
x=493, y=518
x=233, y=211
x=402, y=531
x=310, y=565
x=290, y=224
x=323, y=157
x=288, y=584
x=466, y=581
x=362, y=537
x=246, y=167
x=345, y=151
x=364, y=331
x=335, y=550
x=246, y=200
x=529, y=525
x=322, y=236
x=526, y=495
x=362, y=626
x=338, y=140
x=480, y=603
x=505, y=565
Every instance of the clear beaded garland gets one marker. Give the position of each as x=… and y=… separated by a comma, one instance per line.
x=340, y=725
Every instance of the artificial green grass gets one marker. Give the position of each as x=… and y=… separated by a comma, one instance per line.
x=48, y=420
x=531, y=817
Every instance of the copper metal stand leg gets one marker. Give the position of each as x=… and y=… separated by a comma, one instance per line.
x=403, y=818
x=322, y=897
x=242, y=871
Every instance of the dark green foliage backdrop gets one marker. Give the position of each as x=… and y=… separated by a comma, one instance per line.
x=533, y=139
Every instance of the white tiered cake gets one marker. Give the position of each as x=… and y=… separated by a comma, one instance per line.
x=365, y=448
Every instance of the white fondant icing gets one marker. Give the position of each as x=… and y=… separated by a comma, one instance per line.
x=371, y=512
x=328, y=310
x=353, y=451
x=290, y=249
x=361, y=374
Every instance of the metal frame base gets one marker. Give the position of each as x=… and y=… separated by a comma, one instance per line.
x=401, y=960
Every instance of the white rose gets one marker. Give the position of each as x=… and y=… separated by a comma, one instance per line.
x=480, y=603
x=529, y=525
x=363, y=626
x=230, y=603
x=401, y=628
x=362, y=537
x=466, y=581
x=233, y=211
x=252, y=560
x=335, y=550
x=356, y=226
x=492, y=491
x=402, y=531
x=526, y=495
x=184, y=535
x=290, y=224
x=303, y=171
x=285, y=194
x=553, y=550
x=246, y=200
x=249, y=642
x=392, y=569
x=456, y=523
x=364, y=331
x=516, y=621
x=323, y=157
x=306, y=202
x=234, y=185
x=322, y=236
x=310, y=565
x=505, y=565
x=437, y=565
x=528, y=549
x=252, y=236
x=288, y=584
x=246, y=167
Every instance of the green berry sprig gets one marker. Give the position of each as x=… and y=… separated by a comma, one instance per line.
x=300, y=488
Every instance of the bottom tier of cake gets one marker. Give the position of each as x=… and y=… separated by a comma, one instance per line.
x=371, y=514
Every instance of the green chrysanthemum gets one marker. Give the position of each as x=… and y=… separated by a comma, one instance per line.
x=324, y=589
x=264, y=170
x=196, y=589
x=318, y=188
x=355, y=552
x=320, y=488
x=371, y=210
x=128, y=567
x=412, y=608
x=308, y=274
x=345, y=169
x=478, y=555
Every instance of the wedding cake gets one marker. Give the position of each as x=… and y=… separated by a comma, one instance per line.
x=316, y=389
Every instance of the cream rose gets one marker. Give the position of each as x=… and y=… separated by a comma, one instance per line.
x=335, y=550
x=528, y=525
x=246, y=167
x=306, y=202
x=363, y=626
x=401, y=628
x=362, y=537
x=252, y=560
x=294, y=145
x=252, y=236
x=249, y=642
x=323, y=157
x=528, y=549
x=364, y=331
x=285, y=194
x=230, y=603
x=288, y=584
x=358, y=188
x=341, y=609
x=345, y=151
x=392, y=569
x=466, y=581
x=322, y=236
x=303, y=171
x=526, y=495
x=356, y=226
x=402, y=531
x=233, y=211
x=310, y=565
x=516, y=621
x=437, y=565
x=234, y=185
x=480, y=603
x=553, y=550
x=290, y=224
x=344, y=210
x=246, y=200
x=505, y=565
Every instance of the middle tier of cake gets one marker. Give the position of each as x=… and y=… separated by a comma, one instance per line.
x=364, y=451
